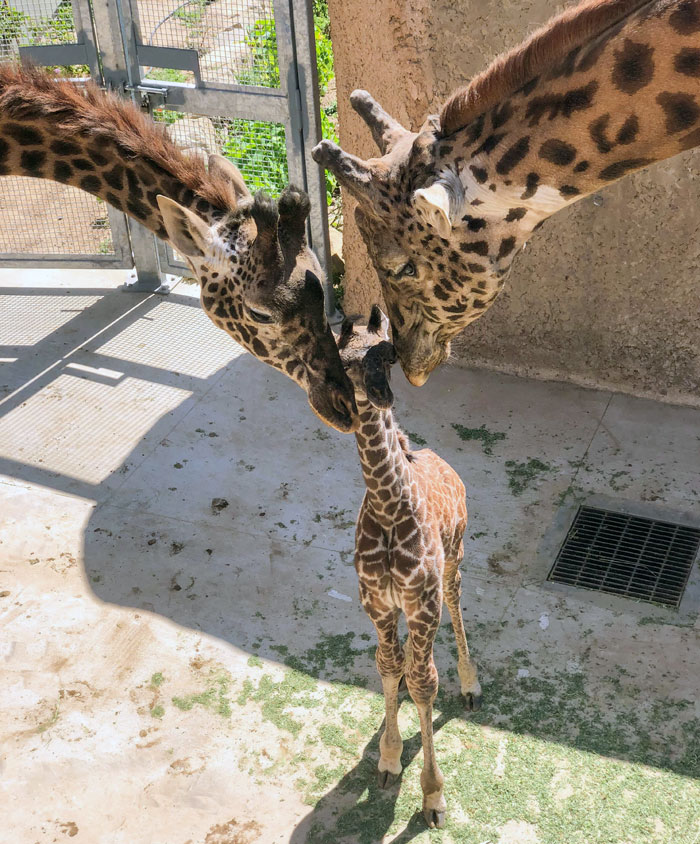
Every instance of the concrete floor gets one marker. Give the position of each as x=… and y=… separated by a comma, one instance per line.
x=185, y=673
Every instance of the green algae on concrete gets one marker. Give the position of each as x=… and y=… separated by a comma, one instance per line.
x=482, y=434
x=522, y=475
x=214, y=697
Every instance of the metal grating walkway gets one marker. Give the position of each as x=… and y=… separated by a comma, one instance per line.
x=631, y=556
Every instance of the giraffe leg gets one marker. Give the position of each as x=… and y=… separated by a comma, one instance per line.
x=466, y=667
x=391, y=668
x=422, y=680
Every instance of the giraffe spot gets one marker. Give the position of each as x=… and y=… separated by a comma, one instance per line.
x=474, y=224
x=138, y=209
x=528, y=87
x=531, y=185
x=476, y=268
x=113, y=200
x=490, y=144
x=91, y=184
x=32, y=161
x=82, y=164
x=578, y=99
x=479, y=173
x=25, y=136
x=146, y=176
x=686, y=19
x=478, y=303
x=134, y=185
x=581, y=167
x=474, y=130
x=478, y=247
x=65, y=148
x=558, y=152
x=62, y=171
x=115, y=177
x=569, y=190
x=628, y=131
x=501, y=115
x=4, y=149
x=597, y=132
x=681, y=111
x=98, y=158
x=506, y=247
x=208, y=302
x=515, y=214
x=568, y=66
x=513, y=155
x=687, y=62
x=621, y=168
x=634, y=67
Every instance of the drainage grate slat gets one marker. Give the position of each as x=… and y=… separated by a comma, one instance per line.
x=620, y=554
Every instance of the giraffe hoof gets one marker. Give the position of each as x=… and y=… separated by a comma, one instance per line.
x=472, y=701
x=385, y=779
x=434, y=818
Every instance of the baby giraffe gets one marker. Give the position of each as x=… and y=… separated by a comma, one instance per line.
x=408, y=546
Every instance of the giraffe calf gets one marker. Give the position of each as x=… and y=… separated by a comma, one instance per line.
x=408, y=546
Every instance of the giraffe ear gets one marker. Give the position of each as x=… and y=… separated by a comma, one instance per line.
x=187, y=232
x=347, y=329
x=378, y=322
x=433, y=204
x=376, y=367
x=223, y=168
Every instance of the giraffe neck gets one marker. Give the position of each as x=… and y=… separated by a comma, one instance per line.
x=385, y=466
x=92, y=142
x=625, y=99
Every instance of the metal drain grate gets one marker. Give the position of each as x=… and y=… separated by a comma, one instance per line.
x=619, y=554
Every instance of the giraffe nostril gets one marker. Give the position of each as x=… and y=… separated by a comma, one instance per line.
x=345, y=407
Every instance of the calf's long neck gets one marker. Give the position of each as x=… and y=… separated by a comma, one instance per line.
x=385, y=466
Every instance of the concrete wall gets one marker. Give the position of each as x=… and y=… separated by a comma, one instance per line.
x=607, y=293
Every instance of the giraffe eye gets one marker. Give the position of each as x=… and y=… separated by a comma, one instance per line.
x=407, y=269
x=259, y=316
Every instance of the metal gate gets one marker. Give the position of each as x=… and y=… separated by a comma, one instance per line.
x=233, y=76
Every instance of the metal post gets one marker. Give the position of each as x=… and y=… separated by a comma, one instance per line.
x=117, y=71
x=305, y=111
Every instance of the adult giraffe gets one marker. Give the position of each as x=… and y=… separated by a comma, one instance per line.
x=602, y=90
x=258, y=276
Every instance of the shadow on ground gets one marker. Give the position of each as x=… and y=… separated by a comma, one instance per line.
x=231, y=515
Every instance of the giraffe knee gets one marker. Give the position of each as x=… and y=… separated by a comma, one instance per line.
x=422, y=683
x=390, y=662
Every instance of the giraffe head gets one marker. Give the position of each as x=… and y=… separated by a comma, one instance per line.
x=425, y=250
x=367, y=356
x=260, y=283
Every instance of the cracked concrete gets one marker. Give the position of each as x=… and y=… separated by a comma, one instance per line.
x=180, y=660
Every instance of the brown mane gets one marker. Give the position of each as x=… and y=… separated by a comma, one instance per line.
x=31, y=93
x=512, y=70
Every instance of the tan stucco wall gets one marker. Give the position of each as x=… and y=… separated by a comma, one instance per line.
x=607, y=293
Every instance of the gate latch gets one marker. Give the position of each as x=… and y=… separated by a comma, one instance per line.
x=146, y=92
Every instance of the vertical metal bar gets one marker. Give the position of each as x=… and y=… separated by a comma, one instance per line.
x=82, y=21
x=309, y=103
x=113, y=22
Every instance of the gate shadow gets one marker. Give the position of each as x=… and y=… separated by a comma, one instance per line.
x=157, y=542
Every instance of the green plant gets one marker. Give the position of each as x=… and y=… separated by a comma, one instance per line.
x=258, y=148
x=168, y=74
x=22, y=29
